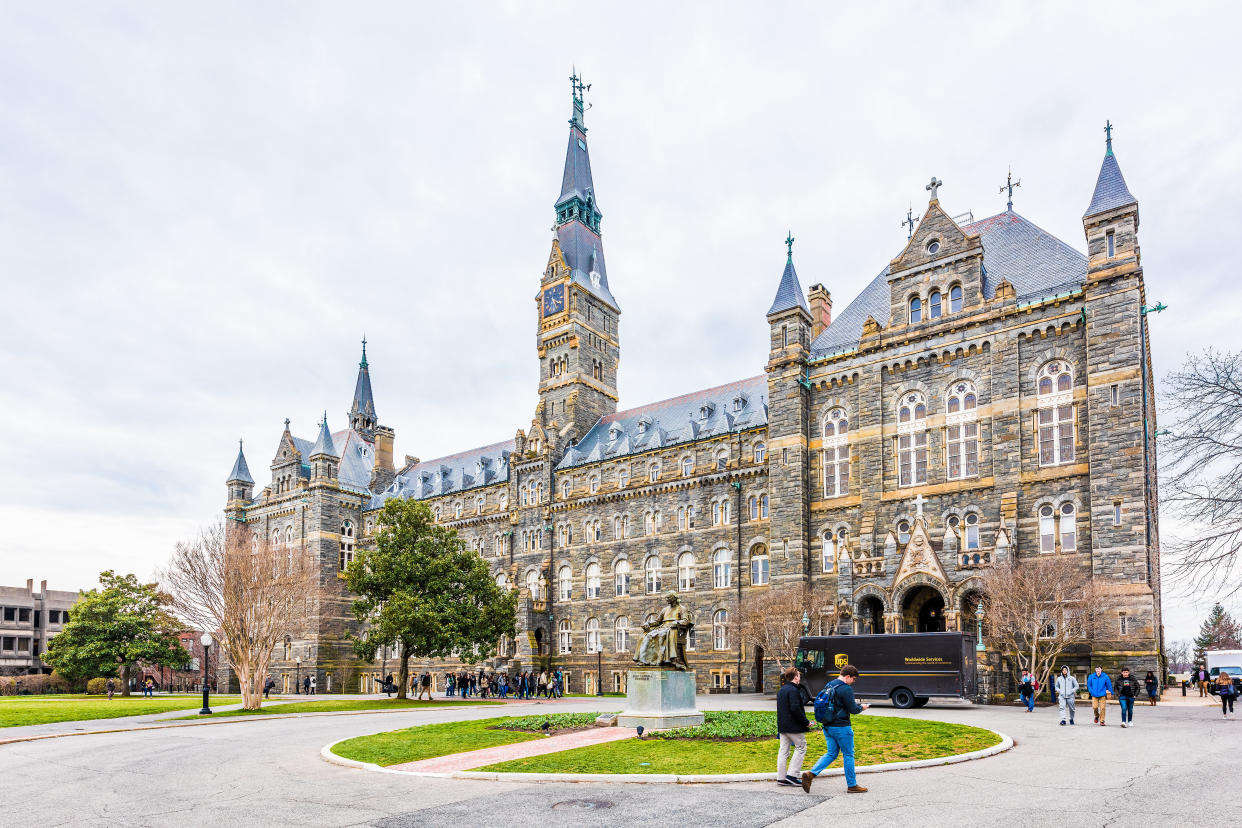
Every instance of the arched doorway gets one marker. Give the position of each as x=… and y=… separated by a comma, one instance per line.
x=538, y=641
x=922, y=610
x=870, y=617
x=757, y=670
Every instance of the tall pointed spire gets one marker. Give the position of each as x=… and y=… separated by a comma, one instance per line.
x=1111, y=191
x=241, y=472
x=789, y=292
x=324, y=444
x=362, y=412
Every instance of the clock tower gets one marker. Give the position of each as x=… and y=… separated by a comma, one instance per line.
x=578, y=341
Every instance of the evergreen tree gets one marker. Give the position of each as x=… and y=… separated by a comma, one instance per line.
x=422, y=589
x=1219, y=632
x=114, y=627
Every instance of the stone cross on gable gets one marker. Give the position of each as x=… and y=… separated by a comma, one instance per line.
x=933, y=187
x=909, y=222
x=918, y=506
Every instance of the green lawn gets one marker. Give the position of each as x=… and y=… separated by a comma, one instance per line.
x=334, y=705
x=877, y=740
x=428, y=741
x=31, y=710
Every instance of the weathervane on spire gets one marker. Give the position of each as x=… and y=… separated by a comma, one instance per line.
x=579, y=92
x=909, y=222
x=933, y=188
x=1108, y=137
x=1009, y=185
x=363, y=364
x=789, y=240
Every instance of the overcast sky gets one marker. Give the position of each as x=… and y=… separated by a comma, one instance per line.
x=203, y=207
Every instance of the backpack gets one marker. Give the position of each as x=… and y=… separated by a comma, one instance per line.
x=826, y=705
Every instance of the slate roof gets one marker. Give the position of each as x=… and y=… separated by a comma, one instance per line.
x=324, y=444
x=357, y=460
x=364, y=402
x=1034, y=261
x=1110, y=188
x=446, y=475
x=789, y=292
x=576, y=180
x=584, y=254
x=672, y=422
x=241, y=471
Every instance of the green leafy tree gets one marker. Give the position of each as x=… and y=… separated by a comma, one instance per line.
x=422, y=589
x=1218, y=632
x=114, y=627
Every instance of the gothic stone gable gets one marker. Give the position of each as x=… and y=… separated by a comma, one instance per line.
x=919, y=558
x=938, y=255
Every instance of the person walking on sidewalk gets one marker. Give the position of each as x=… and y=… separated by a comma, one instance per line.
x=1066, y=690
x=1026, y=690
x=1099, y=688
x=1201, y=679
x=792, y=725
x=1153, y=687
x=1127, y=692
x=1226, y=691
x=833, y=707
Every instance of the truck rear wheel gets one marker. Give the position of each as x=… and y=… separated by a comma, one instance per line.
x=921, y=701
x=902, y=698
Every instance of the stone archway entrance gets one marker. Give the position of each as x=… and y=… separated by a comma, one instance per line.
x=922, y=610
x=869, y=620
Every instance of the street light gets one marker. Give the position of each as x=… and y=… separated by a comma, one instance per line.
x=979, y=616
x=599, y=670
x=297, y=681
x=205, y=640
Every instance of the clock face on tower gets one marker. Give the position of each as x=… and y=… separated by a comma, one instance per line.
x=554, y=300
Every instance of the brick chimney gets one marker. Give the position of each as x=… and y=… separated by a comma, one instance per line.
x=821, y=309
x=383, y=472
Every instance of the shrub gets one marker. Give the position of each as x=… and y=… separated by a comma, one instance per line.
x=33, y=685
x=8, y=686
x=97, y=686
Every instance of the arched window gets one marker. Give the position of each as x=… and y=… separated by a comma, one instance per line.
x=1069, y=529
x=565, y=488
x=621, y=633
x=955, y=299
x=504, y=501
x=1056, y=413
x=435, y=514
x=752, y=505
x=685, y=571
x=834, y=547
x=653, y=472
x=565, y=581
x=564, y=638
x=457, y=509
x=916, y=310
x=288, y=648
x=592, y=580
x=759, y=566
x=288, y=536
x=763, y=506
x=761, y=452
x=539, y=491
x=721, y=566
x=971, y=539
x=502, y=580
x=1047, y=529
x=593, y=483
x=592, y=631
x=275, y=537
x=933, y=305
x=962, y=431
x=532, y=585
x=912, y=440
x=622, y=577
x=652, y=568
x=836, y=454
x=648, y=523
x=616, y=528
x=720, y=630
x=347, y=544
x=623, y=478
x=687, y=466
x=722, y=460
x=478, y=505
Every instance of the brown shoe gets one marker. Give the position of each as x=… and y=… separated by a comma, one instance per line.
x=807, y=779
x=856, y=789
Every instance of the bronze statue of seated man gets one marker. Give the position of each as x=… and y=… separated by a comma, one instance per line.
x=664, y=639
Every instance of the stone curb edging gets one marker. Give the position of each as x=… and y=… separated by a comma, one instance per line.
x=327, y=755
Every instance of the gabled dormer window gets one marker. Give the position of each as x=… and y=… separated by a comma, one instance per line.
x=643, y=425
x=739, y=402
x=705, y=412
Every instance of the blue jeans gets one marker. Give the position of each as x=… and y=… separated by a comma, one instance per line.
x=840, y=740
x=1127, y=708
x=1029, y=701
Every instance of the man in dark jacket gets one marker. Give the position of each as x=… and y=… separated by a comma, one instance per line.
x=1126, y=691
x=792, y=725
x=838, y=733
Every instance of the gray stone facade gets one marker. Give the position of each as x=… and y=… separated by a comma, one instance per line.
x=988, y=395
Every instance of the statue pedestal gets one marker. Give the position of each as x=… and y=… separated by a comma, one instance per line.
x=659, y=699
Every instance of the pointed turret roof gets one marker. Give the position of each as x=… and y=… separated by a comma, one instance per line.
x=323, y=444
x=1111, y=191
x=241, y=472
x=364, y=404
x=789, y=293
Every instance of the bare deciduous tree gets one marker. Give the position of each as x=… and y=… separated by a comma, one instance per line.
x=772, y=619
x=1037, y=608
x=251, y=592
x=1202, y=471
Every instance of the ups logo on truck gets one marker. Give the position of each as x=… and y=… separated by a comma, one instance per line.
x=840, y=659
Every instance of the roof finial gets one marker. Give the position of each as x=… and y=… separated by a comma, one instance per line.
x=1009, y=185
x=579, y=89
x=286, y=423
x=933, y=187
x=1108, y=137
x=240, y=443
x=789, y=240
x=363, y=364
x=325, y=418
x=909, y=222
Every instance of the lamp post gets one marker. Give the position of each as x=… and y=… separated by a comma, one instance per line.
x=979, y=628
x=806, y=623
x=205, y=640
x=297, y=681
x=599, y=670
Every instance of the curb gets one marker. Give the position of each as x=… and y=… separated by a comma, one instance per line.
x=327, y=755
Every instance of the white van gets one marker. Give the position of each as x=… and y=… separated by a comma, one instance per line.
x=1228, y=660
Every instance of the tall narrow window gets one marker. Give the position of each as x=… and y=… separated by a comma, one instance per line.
x=621, y=633
x=761, y=452
x=1116, y=513
x=563, y=636
x=1112, y=243
x=912, y=440
x=752, y=504
x=715, y=513
x=955, y=299
x=592, y=580
x=721, y=569
x=1116, y=395
x=623, y=478
x=685, y=571
x=759, y=566
x=593, y=484
x=836, y=454
x=962, y=431
x=1047, y=529
x=971, y=540
x=1069, y=528
x=592, y=635
x=565, y=489
x=347, y=544
x=648, y=523
x=652, y=568
x=933, y=305
x=622, y=578
x=784, y=336
x=720, y=630
x=916, y=310
x=687, y=466
x=653, y=472
x=565, y=583
x=763, y=507
x=1056, y=414
x=616, y=528
x=834, y=546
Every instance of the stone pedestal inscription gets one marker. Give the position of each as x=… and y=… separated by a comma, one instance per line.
x=659, y=699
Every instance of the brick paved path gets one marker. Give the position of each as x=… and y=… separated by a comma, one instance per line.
x=503, y=753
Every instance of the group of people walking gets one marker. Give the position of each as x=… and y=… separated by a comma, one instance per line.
x=834, y=706
x=1100, y=687
x=527, y=684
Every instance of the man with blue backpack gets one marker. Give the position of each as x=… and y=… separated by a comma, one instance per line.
x=833, y=707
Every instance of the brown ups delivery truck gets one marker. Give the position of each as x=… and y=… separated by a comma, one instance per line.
x=909, y=669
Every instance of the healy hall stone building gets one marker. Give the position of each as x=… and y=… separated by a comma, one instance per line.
x=988, y=394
